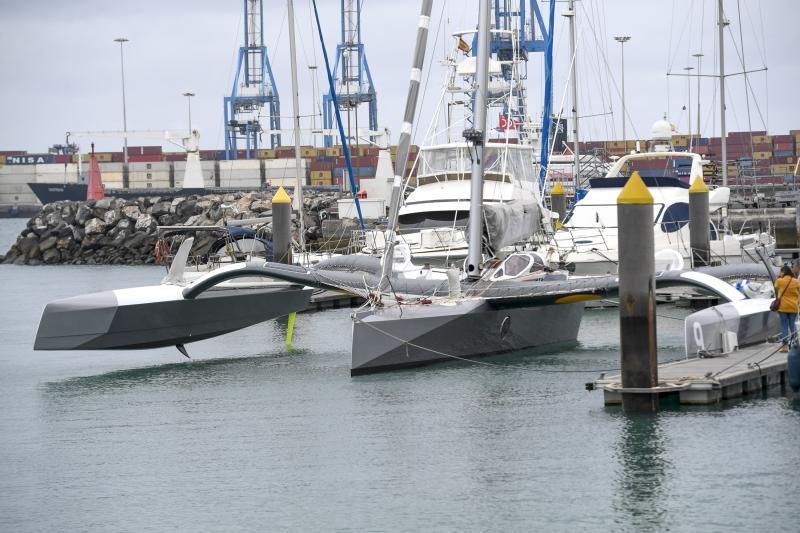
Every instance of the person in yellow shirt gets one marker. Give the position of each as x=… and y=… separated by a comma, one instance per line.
x=788, y=290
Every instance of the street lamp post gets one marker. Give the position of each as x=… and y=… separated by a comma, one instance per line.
x=122, y=41
x=188, y=96
x=622, y=39
x=698, y=56
x=689, y=107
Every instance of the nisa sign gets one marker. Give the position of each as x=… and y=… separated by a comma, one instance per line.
x=40, y=159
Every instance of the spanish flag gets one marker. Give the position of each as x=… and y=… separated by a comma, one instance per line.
x=463, y=46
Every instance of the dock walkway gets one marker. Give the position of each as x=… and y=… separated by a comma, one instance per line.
x=708, y=380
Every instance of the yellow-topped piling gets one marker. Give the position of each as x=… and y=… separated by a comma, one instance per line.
x=698, y=185
x=281, y=197
x=637, y=310
x=281, y=227
x=699, y=222
x=635, y=191
x=558, y=202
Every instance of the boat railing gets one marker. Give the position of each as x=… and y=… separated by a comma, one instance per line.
x=438, y=177
x=586, y=234
x=436, y=238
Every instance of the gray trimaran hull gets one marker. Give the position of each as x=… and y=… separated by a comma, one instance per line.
x=540, y=312
x=393, y=338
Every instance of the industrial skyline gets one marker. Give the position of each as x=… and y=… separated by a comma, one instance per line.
x=60, y=65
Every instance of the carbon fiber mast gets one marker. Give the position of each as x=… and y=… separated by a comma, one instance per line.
x=404, y=144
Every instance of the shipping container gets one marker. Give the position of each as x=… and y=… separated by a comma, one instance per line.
x=761, y=155
x=321, y=165
x=151, y=150
x=266, y=153
x=144, y=158
x=2, y=160
x=29, y=159
x=781, y=169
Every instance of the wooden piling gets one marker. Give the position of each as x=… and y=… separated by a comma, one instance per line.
x=281, y=227
x=699, y=220
x=637, y=300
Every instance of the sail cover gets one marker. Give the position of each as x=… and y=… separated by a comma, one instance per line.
x=510, y=222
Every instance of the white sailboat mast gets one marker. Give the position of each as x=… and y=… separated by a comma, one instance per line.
x=298, y=193
x=574, y=89
x=723, y=133
x=477, y=135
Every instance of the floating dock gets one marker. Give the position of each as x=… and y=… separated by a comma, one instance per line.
x=709, y=380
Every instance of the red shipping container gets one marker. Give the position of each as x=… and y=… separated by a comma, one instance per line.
x=780, y=147
x=320, y=165
x=144, y=158
x=151, y=150
x=776, y=139
x=61, y=158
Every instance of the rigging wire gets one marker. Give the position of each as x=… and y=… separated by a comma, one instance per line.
x=744, y=70
x=430, y=68
x=598, y=44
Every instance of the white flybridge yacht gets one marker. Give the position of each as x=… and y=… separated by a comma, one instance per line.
x=435, y=211
x=587, y=241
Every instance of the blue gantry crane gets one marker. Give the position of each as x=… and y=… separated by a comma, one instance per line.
x=254, y=91
x=521, y=18
x=351, y=72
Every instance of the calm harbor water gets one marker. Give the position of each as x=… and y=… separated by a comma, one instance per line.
x=248, y=436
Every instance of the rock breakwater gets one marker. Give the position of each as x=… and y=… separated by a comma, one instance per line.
x=115, y=231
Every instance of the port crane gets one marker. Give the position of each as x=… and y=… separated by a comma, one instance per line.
x=351, y=71
x=253, y=91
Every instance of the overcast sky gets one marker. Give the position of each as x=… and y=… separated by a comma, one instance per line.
x=61, y=67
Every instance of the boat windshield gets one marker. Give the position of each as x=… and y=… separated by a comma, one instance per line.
x=433, y=219
x=516, y=163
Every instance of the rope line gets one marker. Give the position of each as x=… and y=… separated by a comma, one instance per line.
x=408, y=344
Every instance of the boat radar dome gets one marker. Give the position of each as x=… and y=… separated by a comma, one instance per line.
x=663, y=130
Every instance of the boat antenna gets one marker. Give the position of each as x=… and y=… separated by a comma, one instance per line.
x=476, y=136
x=404, y=144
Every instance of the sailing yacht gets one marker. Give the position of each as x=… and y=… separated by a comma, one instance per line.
x=434, y=214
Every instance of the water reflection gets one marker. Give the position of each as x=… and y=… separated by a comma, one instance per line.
x=641, y=491
x=182, y=373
